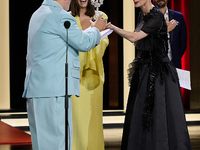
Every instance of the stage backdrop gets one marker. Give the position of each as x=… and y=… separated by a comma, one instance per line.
x=183, y=7
x=194, y=54
x=4, y=56
x=113, y=58
x=20, y=14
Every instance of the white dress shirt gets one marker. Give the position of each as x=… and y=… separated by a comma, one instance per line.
x=166, y=15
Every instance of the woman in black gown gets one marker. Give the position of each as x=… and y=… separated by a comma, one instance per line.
x=155, y=117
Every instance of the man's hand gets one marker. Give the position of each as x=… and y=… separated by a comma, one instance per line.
x=100, y=23
x=171, y=25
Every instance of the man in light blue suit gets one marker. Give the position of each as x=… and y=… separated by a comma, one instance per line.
x=45, y=72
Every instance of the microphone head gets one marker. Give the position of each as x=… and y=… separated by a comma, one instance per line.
x=67, y=24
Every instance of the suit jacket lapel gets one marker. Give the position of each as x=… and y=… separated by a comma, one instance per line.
x=171, y=33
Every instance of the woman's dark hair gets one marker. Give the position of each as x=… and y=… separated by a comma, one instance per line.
x=75, y=9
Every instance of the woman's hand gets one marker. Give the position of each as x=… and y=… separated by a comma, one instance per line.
x=109, y=26
x=99, y=23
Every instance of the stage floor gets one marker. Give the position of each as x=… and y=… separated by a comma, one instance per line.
x=113, y=132
x=113, y=140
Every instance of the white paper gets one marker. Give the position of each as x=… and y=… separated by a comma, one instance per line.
x=86, y=30
x=104, y=33
x=184, y=78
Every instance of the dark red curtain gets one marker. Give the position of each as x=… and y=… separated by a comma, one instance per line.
x=183, y=7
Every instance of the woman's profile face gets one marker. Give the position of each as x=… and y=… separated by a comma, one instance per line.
x=83, y=3
x=139, y=3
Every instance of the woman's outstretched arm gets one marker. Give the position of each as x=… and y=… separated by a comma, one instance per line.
x=131, y=36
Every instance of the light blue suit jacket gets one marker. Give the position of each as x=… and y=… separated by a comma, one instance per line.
x=46, y=52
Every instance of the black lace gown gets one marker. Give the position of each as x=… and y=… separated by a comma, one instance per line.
x=155, y=117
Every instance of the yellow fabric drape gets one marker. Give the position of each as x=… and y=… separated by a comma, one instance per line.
x=87, y=109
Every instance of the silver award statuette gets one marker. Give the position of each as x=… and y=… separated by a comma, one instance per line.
x=96, y=4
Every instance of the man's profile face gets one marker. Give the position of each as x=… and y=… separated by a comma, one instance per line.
x=161, y=3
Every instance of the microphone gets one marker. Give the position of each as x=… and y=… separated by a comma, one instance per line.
x=67, y=24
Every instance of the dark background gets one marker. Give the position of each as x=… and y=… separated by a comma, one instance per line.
x=20, y=13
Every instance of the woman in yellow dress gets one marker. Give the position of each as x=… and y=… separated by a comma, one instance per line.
x=87, y=109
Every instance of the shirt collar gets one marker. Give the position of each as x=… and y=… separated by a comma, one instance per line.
x=167, y=12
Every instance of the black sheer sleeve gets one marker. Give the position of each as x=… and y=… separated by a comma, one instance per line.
x=153, y=23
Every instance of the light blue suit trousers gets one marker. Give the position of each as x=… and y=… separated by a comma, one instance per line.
x=47, y=123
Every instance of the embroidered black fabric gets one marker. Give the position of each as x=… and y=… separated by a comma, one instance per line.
x=151, y=50
x=154, y=116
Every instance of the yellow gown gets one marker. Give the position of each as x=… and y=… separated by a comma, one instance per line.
x=87, y=109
